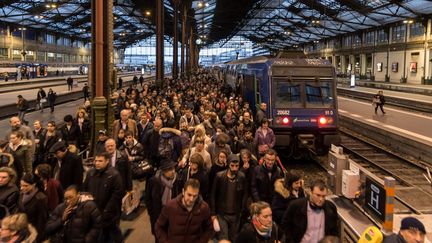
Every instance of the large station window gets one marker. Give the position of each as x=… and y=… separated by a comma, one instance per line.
x=416, y=30
x=50, y=57
x=16, y=54
x=369, y=38
x=382, y=36
x=3, y=52
x=347, y=41
x=357, y=41
x=41, y=56
x=398, y=33
x=50, y=39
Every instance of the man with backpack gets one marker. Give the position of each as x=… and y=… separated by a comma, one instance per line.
x=170, y=146
x=22, y=105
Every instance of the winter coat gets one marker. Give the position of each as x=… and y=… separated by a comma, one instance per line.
x=248, y=234
x=214, y=151
x=394, y=238
x=281, y=198
x=54, y=193
x=219, y=192
x=107, y=189
x=71, y=170
x=39, y=149
x=123, y=166
x=174, y=135
x=28, y=235
x=136, y=151
x=143, y=130
x=130, y=126
x=294, y=221
x=202, y=176
x=9, y=195
x=48, y=142
x=262, y=187
x=269, y=139
x=37, y=212
x=52, y=96
x=177, y=225
x=22, y=158
x=71, y=136
x=85, y=132
x=83, y=224
x=153, y=196
x=151, y=142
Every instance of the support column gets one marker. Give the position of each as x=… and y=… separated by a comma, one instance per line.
x=183, y=42
x=175, y=44
x=363, y=64
x=100, y=75
x=191, y=48
x=159, y=43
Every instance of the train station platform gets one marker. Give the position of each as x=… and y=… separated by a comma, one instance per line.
x=389, y=86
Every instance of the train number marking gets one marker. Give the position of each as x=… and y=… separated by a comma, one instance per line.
x=283, y=112
x=329, y=113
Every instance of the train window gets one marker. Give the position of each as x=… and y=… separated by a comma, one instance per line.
x=319, y=94
x=286, y=94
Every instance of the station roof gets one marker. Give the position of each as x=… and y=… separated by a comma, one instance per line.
x=275, y=24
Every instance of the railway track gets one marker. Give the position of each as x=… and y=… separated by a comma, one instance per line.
x=412, y=188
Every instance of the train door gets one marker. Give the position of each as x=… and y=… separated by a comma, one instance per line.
x=257, y=84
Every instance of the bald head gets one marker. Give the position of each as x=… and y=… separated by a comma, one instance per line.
x=15, y=122
x=110, y=146
x=157, y=124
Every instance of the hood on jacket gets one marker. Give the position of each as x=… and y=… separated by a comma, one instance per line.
x=135, y=142
x=32, y=235
x=169, y=132
x=281, y=189
x=84, y=197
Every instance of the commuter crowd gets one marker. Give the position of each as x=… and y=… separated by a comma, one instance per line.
x=203, y=157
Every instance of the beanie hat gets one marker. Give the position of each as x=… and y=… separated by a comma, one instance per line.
x=412, y=223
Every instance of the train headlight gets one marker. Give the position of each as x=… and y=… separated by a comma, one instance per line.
x=322, y=120
x=285, y=120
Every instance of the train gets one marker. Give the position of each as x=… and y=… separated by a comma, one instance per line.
x=300, y=94
x=16, y=69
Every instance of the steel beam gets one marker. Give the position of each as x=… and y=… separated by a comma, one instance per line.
x=175, y=41
x=159, y=42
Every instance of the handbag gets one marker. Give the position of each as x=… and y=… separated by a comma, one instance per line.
x=376, y=100
x=142, y=169
x=43, y=100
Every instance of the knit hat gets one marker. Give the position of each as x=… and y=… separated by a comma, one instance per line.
x=58, y=146
x=233, y=157
x=412, y=223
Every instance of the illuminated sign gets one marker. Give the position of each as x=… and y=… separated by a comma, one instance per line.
x=375, y=198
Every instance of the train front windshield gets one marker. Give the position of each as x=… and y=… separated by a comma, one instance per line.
x=288, y=94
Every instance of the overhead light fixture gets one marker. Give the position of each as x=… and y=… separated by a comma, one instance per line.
x=22, y=28
x=315, y=21
x=147, y=13
x=200, y=4
x=287, y=32
x=408, y=21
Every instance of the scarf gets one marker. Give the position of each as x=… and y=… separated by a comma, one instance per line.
x=264, y=231
x=168, y=185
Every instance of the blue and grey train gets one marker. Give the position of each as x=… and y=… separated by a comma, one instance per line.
x=300, y=95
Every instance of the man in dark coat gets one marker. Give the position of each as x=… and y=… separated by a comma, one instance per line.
x=70, y=131
x=151, y=143
x=161, y=188
x=411, y=230
x=68, y=169
x=187, y=207
x=228, y=198
x=76, y=220
x=264, y=177
x=309, y=220
x=69, y=82
x=39, y=134
x=8, y=190
x=104, y=183
x=86, y=92
x=119, y=161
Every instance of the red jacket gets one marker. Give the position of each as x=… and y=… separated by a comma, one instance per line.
x=175, y=224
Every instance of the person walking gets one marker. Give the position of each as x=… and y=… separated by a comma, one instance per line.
x=120, y=83
x=261, y=229
x=69, y=82
x=308, y=220
x=86, y=92
x=17, y=229
x=228, y=199
x=40, y=99
x=9, y=192
x=379, y=101
x=411, y=230
x=52, y=96
x=104, y=183
x=22, y=105
x=187, y=207
x=77, y=219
